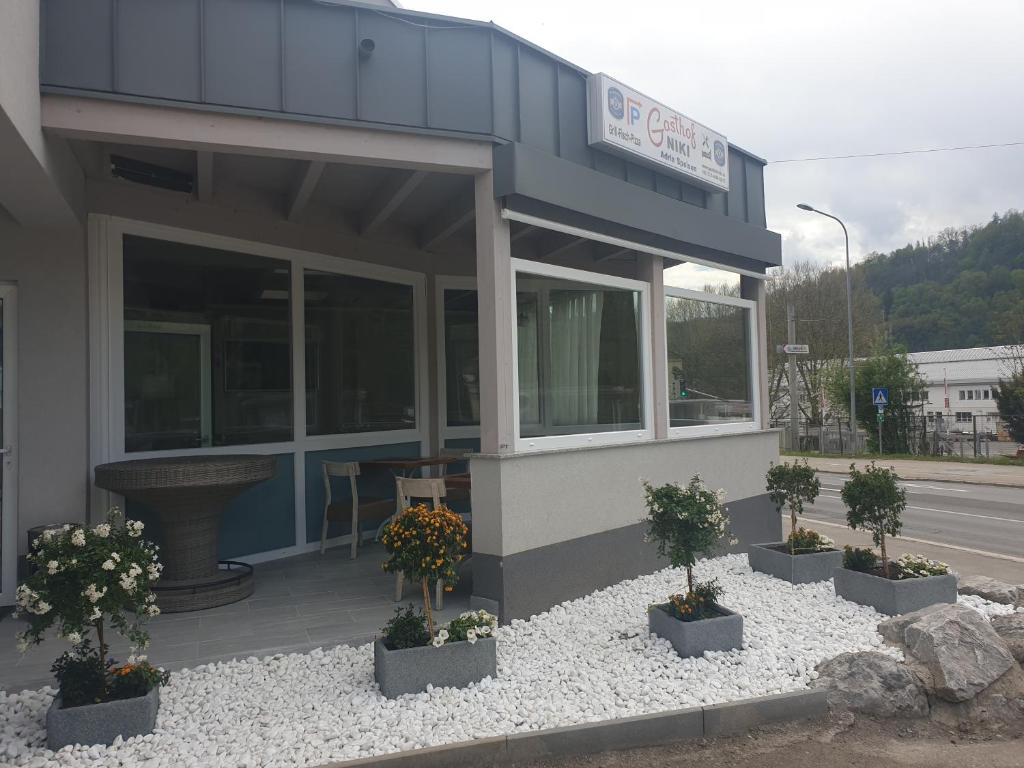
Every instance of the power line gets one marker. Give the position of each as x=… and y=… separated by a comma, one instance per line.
x=902, y=152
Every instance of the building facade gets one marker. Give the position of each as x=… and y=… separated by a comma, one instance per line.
x=337, y=231
x=961, y=382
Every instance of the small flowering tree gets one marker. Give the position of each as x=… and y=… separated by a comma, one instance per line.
x=686, y=522
x=791, y=485
x=87, y=579
x=426, y=544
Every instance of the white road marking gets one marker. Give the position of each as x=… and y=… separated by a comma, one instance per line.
x=995, y=555
x=952, y=512
x=937, y=488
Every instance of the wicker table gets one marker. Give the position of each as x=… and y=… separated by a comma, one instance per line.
x=189, y=494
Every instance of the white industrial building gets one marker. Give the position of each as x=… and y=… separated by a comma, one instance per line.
x=961, y=382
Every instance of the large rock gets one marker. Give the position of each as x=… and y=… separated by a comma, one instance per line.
x=991, y=589
x=1001, y=703
x=956, y=652
x=872, y=684
x=1011, y=630
x=894, y=630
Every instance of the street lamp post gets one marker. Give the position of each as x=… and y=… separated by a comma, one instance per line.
x=849, y=323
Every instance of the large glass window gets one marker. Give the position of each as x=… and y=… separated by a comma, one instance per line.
x=360, y=333
x=207, y=347
x=709, y=362
x=461, y=358
x=579, y=357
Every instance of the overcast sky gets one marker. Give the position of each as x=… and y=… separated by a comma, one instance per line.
x=800, y=79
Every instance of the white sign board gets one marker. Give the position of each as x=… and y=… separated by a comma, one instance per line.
x=626, y=122
x=796, y=349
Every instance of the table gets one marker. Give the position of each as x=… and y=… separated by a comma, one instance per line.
x=404, y=466
x=189, y=494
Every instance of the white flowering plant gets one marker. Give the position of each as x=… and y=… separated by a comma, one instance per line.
x=87, y=579
x=469, y=626
x=686, y=522
x=911, y=566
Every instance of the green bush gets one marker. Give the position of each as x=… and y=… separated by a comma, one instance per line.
x=406, y=629
x=698, y=603
x=875, y=502
x=857, y=559
x=804, y=540
x=790, y=486
x=918, y=566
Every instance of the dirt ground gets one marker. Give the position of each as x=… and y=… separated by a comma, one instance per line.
x=831, y=743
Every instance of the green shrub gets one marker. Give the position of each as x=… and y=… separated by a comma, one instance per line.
x=875, y=502
x=857, y=559
x=406, y=629
x=81, y=676
x=471, y=626
x=698, y=603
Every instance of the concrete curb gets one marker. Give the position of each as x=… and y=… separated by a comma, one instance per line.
x=610, y=735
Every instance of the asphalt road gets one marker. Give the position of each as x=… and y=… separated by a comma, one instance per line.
x=985, y=518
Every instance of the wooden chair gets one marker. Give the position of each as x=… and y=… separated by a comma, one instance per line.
x=374, y=509
x=456, y=494
x=409, y=488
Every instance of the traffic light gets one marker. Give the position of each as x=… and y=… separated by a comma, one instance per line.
x=684, y=392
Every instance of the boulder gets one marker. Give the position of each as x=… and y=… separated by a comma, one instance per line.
x=956, y=652
x=894, y=629
x=871, y=683
x=1002, y=703
x=990, y=589
x=1011, y=629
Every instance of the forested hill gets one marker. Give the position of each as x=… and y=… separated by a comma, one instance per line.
x=963, y=288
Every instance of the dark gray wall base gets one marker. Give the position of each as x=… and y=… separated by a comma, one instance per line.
x=611, y=735
x=530, y=582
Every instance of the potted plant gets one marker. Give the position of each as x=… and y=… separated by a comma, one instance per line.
x=687, y=522
x=427, y=544
x=86, y=580
x=805, y=556
x=875, y=502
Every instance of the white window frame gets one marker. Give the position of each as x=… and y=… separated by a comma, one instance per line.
x=444, y=283
x=106, y=308
x=535, y=269
x=731, y=427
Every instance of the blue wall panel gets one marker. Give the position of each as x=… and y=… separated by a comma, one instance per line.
x=243, y=53
x=459, y=79
x=161, y=32
x=373, y=483
x=392, y=82
x=77, y=43
x=319, y=59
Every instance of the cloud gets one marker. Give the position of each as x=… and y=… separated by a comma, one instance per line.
x=796, y=79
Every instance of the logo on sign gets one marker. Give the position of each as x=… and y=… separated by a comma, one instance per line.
x=634, y=110
x=616, y=103
x=720, y=153
x=880, y=396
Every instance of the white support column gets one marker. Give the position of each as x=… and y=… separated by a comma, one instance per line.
x=753, y=289
x=495, y=289
x=652, y=271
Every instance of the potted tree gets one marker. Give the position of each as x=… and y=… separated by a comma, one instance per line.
x=426, y=545
x=86, y=581
x=805, y=556
x=875, y=502
x=687, y=522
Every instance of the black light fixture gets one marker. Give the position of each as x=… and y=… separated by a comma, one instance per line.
x=151, y=175
x=804, y=207
x=366, y=48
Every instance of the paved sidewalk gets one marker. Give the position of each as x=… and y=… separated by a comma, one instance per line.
x=948, y=471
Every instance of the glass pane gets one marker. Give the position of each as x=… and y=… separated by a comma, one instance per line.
x=579, y=358
x=3, y=457
x=362, y=334
x=207, y=347
x=461, y=358
x=163, y=394
x=697, y=277
x=709, y=378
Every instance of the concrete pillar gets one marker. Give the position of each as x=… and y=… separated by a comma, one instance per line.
x=753, y=289
x=495, y=292
x=652, y=271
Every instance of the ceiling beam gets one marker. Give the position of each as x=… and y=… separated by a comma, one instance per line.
x=552, y=247
x=388, y=199
x=304, y=187
x=525, y=231
x=204, y=176
x=454, y=216
x=614, y=253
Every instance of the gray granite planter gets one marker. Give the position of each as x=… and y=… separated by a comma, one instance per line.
x=453, y=665
x=796, y=569
x=894, y=597
x=101, y=723
x=692, y=638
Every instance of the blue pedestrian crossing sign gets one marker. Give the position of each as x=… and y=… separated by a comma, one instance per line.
x=880, y=396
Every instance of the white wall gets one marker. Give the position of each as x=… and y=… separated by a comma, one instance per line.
x=531, y=500
x=49, y=270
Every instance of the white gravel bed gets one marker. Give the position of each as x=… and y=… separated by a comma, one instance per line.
x=586, y=660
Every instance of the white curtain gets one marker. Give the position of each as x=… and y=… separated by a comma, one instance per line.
x=575, y=356
x=529, y=363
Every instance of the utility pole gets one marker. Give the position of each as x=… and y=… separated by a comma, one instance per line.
x=794, y=402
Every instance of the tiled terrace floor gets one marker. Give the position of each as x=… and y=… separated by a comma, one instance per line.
x=299, y=604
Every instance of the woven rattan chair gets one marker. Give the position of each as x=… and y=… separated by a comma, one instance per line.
x=356, y=508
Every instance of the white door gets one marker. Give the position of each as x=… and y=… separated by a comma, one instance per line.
x=8, y=446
